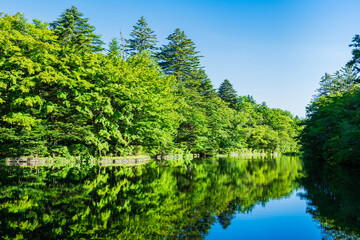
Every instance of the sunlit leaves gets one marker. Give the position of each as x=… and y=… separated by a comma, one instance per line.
x=60, y=96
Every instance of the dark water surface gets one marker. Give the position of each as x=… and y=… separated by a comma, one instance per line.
x=219, y=198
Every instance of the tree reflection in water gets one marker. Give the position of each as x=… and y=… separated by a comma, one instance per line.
x=149, y=201
x=333, y=199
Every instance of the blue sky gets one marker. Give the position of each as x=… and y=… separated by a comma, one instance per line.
x=274, y=50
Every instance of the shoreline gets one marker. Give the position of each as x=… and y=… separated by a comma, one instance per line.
x=126, y=160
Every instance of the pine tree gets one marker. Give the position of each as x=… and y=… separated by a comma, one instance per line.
x=75, y=31
x=227, y=93
x=143, y=38
x=21, y=24
x=355, y=61
x=341, y=81
x=180, y=58
x=114, y=48
x=206, y=88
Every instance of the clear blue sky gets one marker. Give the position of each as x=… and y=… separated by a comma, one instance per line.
x=274, y=50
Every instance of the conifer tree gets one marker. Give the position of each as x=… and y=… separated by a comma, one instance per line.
x=142, y=38
x=74, y=30
x=355, y=52
x=206, y=87
x=114, y=48
x=340, y=82
x=227, y=93
x=21, y=24
x=180, y=58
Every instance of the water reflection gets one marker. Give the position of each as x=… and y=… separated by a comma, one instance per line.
x=333, y=199
x=149, y=201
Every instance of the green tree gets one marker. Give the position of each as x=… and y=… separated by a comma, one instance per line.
x=355, y=53
x=340, y=82
x=23, y=100
x=143, y=38
x=55, y=101
x=74, y=30
x=266, y=129
x=56, y=104
x=114, y=48
x=180, y=58
x=332, y=127
x=206, y=87
x=227, y=93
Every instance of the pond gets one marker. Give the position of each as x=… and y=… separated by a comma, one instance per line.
x=213, y=198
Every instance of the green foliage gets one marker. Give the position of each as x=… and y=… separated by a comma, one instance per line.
x=61, y=96
x=212, y=123
x=79, y=103
x=207, y=121
x=332, y=130
x=114, y=48
x=75, y=32
x=354, y=62
x=227, y=93
x=268, y=130
x=206, y=88
x=142, y=38
x=332, y=127
x=180, y=58
x=340, y=82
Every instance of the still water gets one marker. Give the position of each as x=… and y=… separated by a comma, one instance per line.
x=218, y=198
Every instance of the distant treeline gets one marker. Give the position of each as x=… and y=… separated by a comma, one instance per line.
x=332, y=126
x=62, y=93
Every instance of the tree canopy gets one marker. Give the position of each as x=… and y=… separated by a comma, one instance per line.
x=332, y=127
x=61, y=95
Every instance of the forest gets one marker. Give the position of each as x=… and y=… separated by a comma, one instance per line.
x=332, y=127
x=63, y=92
x=81, y=122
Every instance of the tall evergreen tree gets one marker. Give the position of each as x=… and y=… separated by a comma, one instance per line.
x=227, y=93
x=114, y=48
x=21, y=24
x=180, y=58
x=142, y=38
x=74, y=30
x=206, y=87
x=355, y=61
x=342, y=81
